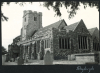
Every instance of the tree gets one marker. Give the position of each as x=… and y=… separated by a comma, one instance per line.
x=4, y=51
x=56, y=5
x=3, y=17
x=74, y=6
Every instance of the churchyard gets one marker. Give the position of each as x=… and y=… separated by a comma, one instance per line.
x=55, y=62
x=74, y=59
x=40, y=62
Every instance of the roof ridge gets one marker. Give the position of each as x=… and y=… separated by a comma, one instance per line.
x=74, y=23
x=72, y=26
x=56, y=21
x=52, y=24
x=56, y=24
x=92, y=28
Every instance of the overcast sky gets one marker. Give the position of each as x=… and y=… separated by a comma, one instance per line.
x=12, y=27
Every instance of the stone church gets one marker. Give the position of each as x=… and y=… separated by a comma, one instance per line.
x=62, y=39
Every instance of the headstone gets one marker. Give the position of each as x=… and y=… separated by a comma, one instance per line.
x=72, y=57
x=20, y=61
x=48, y=59
x=11, y=60
x=26, y=60
x=17, y=59
x=3, y=59
x=69, y=57
x=97, y=57
x=7, y=58
x=38, y=56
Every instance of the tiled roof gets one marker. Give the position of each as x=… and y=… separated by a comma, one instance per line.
x=92, y=30
x=18, y=37
x=55, y=25
x=15, y=40
x=71, y=26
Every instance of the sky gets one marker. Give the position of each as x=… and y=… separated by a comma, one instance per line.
x=12, y=27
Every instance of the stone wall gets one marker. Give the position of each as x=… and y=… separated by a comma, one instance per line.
x=85, y=59
x=57, y=52
x=81, y=29
x=76, y=44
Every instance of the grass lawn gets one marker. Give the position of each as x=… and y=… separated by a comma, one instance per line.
x=41, y=62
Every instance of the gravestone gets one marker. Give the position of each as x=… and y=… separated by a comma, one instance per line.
x=48, y=59
x=17, y=59
x=97, y=57
x=20, y=61
x=72, y=57
x=3, y=59
x=69, y=57
x=38, y=56
x=7, y=57
x=11, y=60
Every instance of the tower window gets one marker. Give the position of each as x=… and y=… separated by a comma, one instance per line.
x=25, y=19
x=35, y=18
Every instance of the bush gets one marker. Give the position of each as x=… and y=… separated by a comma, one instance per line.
x=4, y=51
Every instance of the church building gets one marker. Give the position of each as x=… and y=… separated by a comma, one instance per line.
x=62, y=39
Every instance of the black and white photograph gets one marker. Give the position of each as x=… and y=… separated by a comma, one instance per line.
x=50, y=33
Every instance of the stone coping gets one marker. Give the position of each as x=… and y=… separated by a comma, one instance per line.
x=84, y=54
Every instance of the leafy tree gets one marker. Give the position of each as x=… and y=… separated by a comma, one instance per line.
x=4, y=51
x=56, y=5
x=74, y=6
x=3, y=17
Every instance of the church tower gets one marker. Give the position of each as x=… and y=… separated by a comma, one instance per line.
x=32, y=21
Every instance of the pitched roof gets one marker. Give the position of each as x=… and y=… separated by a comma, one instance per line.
x=71, y=26
x=55, y=25
x=15, y=40
x=18, y=37
x=92, y=30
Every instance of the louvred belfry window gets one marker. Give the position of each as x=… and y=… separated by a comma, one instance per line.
x=35, y=18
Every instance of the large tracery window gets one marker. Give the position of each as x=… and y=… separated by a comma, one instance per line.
x=82, y=41
x=64, y=43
